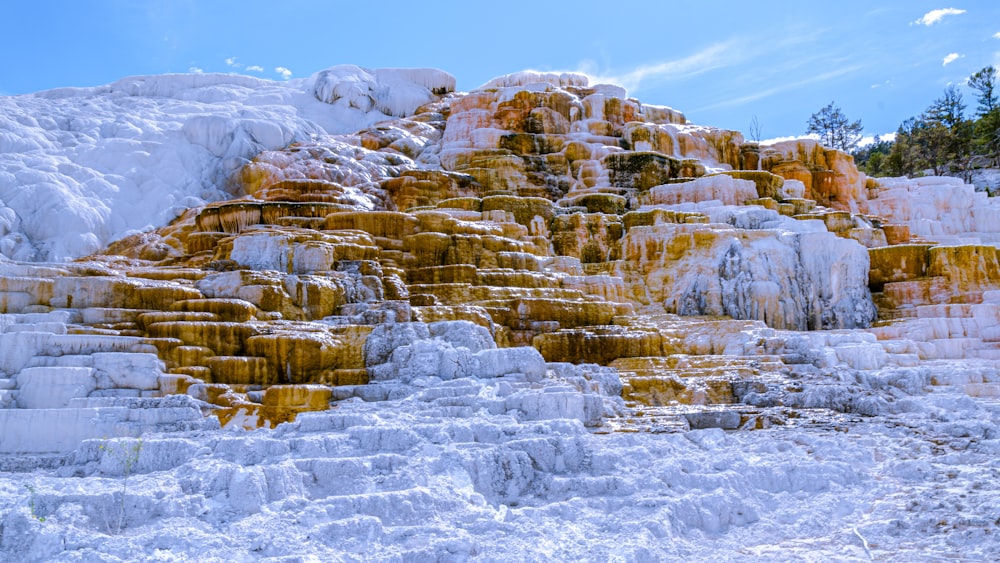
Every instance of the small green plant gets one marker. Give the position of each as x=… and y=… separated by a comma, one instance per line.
x=31, y=503
x=127, y=455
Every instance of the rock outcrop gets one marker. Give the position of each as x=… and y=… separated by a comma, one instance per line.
x=460, y=324
x=536, y=222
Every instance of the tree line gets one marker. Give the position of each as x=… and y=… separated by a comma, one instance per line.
x=941, y=139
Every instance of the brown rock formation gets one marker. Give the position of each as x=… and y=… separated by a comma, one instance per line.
x=562, y=216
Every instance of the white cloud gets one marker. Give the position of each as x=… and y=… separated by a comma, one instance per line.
x=255, y=68
x=934, y=16
x=950, y=58
x=284, y=72
x=774, y=140
x=864, y=142
x=870, y=139
x=231, y=62
x=996, y=35
x=195, y=70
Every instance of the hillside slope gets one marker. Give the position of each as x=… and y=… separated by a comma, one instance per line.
x=364, y=316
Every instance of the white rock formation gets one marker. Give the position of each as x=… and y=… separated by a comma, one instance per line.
x=441, y=475
x=845, y=444
x=81, y=167
x=446, y=350
x=939, y=208
x=754, y=264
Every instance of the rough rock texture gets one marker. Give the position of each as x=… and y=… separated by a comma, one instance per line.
x=82, y=167
x=469, y=317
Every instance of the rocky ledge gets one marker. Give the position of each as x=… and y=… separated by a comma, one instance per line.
x=507, y=285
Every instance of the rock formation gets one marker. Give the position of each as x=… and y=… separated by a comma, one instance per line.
x=540, y=248
x=554, y=216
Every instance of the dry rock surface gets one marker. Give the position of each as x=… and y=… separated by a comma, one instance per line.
x=362, y=316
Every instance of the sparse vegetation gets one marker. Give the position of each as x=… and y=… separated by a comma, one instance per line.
x=942, y=140
x=31, y=503
x=755, y=129
x=126, y=455
x=834, y=129
x=873, y=159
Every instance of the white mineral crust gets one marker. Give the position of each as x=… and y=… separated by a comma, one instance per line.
x=460, y=450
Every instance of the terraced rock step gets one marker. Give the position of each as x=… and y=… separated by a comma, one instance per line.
x=541, y=319
x=556, y=224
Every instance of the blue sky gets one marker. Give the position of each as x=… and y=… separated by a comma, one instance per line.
x=720, y=62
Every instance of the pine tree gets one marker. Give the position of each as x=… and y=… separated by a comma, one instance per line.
x=984, y=82
x=987, y=127
x=873, y=159
x=834, y=129
x=939, y=139
x=948, y=110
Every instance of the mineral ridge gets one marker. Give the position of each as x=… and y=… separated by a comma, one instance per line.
x=362, y=315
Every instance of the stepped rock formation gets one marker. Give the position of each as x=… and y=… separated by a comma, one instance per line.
x=538, y=257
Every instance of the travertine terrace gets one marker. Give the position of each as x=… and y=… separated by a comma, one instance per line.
x=542, y=249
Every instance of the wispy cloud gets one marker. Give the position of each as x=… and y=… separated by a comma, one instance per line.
x=231, y=63
x=781, y=88
x=283, y=72
x=996, y=35
x=950, y=58
x=934, y=16
x=719, y=55
x=195, y=70
x=255, y=68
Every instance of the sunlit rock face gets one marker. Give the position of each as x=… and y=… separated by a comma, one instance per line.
x=939, y=209
x=829, y=175
x=545, y=212
x=799, y=281
x=473, y=310
x=85, y=166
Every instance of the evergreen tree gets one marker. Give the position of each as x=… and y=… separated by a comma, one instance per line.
x=987, y=137
x=834, y=129
x=932, y=145
x=984, y=82
x=986, y=131
x=948, y=110
x=873, y=159
x=941, y=138
x=902, y=160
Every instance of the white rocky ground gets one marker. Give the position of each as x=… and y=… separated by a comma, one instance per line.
x=458, y=451
x=474, y=469
x=81, y=167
